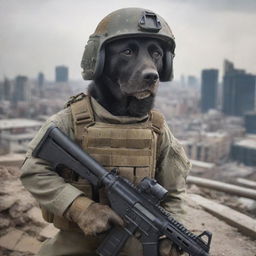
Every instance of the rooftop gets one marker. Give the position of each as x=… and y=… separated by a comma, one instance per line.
x=22, y=136
x=248, y=142
x=11, y=157
x=216, y=134
x=6, y=124
x=206, y=165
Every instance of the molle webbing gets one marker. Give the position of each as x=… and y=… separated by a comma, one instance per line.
x=114, y=136
x=132, y=148
x=119, y=146
x=118, y=138
x=135, y=146
x=82, y=114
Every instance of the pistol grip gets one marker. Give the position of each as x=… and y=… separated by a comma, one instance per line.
x=114, y=241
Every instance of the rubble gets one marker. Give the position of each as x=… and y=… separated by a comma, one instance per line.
x=22, y=229
x=226, y=240
x=221, y=186
x=4, y=222
x=11, y=239
x=16, y=240
x=20, y=217
x=246, y=183
x=48, y=232
x=242, y=222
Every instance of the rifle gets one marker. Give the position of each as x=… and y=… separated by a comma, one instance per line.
x=139, y=206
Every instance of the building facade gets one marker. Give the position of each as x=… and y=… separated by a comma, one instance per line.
x=238, y=91
x=21, y=89
x=40, y=80
x=244, y=151
x=209, y=88
x=15, y=134
x=250, y=122
x=61, y=74
x=211, y=147
x=7, y=90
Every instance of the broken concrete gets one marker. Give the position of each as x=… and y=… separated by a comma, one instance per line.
x=25, y=219
x=10, y=240
x=35, y=215
x=226, y=240
x=48, y=232
x=246, y=183
x=4, y=222
x=243, y=223
x=221, y=186
x=7, y=202
x=17, y=240
x=28, y=244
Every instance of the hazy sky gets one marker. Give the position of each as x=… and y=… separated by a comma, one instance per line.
x=37, y=35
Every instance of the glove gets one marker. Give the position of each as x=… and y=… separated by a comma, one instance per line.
x=93, y=218
x=167, y=248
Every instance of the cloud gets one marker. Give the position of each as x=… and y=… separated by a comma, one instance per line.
x=247, y=6
x=38, y=35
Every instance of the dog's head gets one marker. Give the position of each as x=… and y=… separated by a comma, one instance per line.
x=134, y=66
x=131, y=75
x=130, y=51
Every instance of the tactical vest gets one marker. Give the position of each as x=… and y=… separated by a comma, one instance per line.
x=130, y=148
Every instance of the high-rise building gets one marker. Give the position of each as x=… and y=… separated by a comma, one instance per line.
x=238, y=91
x=250, y=122
x=1, y=90
x=21, y=89
x=192, y=82
x=40, y=80
x=5, y=90
x=209, y=87
x=244, y=150
x=182, y=80
x=61, y=74
x=228, y=66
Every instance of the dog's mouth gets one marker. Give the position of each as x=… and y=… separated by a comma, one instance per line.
x=142, y=95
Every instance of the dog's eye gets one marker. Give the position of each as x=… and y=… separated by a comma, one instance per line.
x=127, y=52
x=156, y=54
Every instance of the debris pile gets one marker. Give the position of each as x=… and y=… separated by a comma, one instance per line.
x=22, y=229
x=21, y=223
x=238, y=182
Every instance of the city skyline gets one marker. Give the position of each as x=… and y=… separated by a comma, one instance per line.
x=38, y=35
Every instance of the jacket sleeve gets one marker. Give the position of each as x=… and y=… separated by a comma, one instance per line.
x=171, y=171
x=38, y=177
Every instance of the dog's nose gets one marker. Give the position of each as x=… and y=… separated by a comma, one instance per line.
x=151, y=76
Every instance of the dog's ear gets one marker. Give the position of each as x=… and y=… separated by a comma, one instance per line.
x=167, y=71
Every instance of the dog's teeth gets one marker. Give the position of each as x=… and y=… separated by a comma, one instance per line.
x=142, y=95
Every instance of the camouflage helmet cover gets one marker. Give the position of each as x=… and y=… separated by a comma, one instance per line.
x=126, y=23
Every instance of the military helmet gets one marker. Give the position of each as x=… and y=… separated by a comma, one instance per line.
x=127, y=23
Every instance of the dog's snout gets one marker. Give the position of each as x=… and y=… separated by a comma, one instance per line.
x=150, y=76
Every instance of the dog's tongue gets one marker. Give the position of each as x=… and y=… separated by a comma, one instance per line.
x=142, y=95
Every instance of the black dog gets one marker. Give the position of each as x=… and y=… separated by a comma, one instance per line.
x=130, y=77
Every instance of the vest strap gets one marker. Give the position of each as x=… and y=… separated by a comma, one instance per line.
x=82, y=114
x=157, y=120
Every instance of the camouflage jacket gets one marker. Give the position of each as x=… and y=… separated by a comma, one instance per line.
x=54, y=194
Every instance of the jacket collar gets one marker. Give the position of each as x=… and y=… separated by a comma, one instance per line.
x=103, y=115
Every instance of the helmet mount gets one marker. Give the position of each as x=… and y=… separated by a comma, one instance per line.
x=150, y=22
